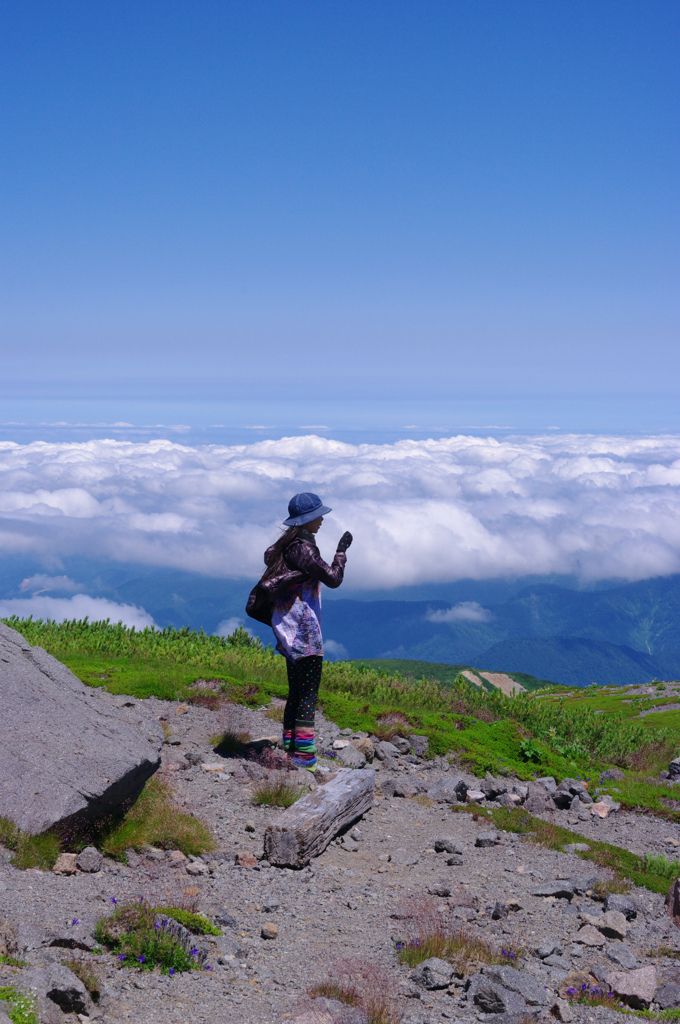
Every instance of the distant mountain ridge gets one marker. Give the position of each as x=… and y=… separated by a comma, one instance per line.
x=627, y=633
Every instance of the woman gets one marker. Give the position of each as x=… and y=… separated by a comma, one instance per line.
x=294, y=574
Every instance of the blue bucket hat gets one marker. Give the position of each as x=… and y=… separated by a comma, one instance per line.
x=304, y=508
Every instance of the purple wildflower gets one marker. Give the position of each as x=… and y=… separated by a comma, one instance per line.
x=121, y=956
x=113, y=900
x=141, y=959
x=74, y=921
x=171, y=971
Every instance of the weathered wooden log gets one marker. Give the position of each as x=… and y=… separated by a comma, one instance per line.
x=304, y=830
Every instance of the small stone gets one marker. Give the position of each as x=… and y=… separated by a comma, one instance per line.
x=614, y=773
x=485, y=839
x=455, y=860
x=176, y=857
x=673, y=902
x=66, y=864
x=440, y=888
x=432, y=973
x=560, y=890
x=250, y=826
x=475, y=796
x=226, y=920
x=548, y=783
x=447, y=844
x=197, y=867
x=590, y=936
x=450, y=790
x=89, y=860
x=562, y=1010
x=269, y=931
x=404, y=857
x=245, y=860
x=576, y=848
x=600, y=809
x=348, y=844
x=212, y=767
x=500, y=911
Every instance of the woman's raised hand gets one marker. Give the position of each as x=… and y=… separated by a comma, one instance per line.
x=345, y=541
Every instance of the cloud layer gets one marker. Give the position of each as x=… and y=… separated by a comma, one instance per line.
x=79, y=607
x=421, y=511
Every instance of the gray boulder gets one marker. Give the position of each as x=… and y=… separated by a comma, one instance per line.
x=485, y=839
x=491, y=997
x=668, y=996
x=493, y=788
x=538, y=800
x=420, y=745
x=674, y=770
x=620, y=954
x=75, y=936
x=67, y=754
x=448, y=791
x=432, y=973
x=385, y=749
x=351, y=757
x=616, y=901
x=401, y=744
x=561, y=890
x=523, y=984
x=58, y=985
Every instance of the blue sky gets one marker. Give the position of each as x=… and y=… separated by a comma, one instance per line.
x=398, y=217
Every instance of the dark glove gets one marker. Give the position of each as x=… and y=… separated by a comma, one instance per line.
x=345, y=541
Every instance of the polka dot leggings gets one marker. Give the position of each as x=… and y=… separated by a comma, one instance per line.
x=304, y=677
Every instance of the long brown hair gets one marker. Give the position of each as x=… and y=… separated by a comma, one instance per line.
x=276, y=563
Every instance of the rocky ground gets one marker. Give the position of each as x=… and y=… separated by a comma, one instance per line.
x=354, y=901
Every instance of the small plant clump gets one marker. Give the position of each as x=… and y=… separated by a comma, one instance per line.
x=142, y=938
x=29, y=851
x=277, y=793
x=196, y=923
x=88, y=974
x=21, y=1008
x=365, y=986
x=156, y=820
x=660, y=866
x=593, y=995
x=427, y=933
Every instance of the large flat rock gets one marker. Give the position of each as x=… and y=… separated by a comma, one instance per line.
x=65, y=754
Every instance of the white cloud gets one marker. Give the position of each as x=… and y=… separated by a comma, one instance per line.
x=41, y=584
x=228, y=626
x=464, y=611
x=420, y=511
x=334, y=651
x=80, y=606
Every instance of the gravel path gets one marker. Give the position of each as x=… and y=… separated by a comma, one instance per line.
x=350, y=902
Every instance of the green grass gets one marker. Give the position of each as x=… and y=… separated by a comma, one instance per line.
x=156, y=820
x=29, y=851
x=552, y=731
